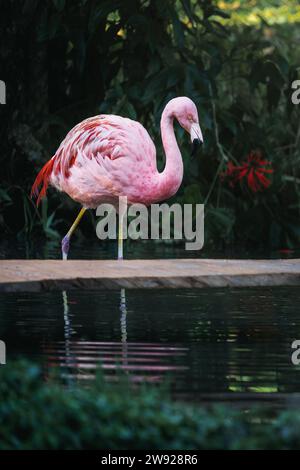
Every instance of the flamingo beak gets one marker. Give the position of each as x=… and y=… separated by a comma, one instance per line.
x=196, y=138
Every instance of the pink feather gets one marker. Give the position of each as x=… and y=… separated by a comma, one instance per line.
x=108, y=156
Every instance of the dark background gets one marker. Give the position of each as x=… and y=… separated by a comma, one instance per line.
x=64, y=60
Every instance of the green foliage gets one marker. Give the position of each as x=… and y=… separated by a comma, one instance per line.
x=66, y=60
x=255, y=12
x=45, y=415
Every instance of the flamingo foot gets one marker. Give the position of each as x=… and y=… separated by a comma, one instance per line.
x=65, y=246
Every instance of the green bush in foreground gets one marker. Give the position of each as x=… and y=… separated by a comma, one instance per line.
x=39, y=415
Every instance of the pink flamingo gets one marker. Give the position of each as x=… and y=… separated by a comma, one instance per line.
x=106, y=156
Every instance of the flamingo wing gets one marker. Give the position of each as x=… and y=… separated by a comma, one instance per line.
x=101, y=158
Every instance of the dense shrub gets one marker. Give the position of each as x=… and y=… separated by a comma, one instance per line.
x=39, y=415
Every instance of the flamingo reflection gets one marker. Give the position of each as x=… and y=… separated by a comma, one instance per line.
x=140, y=361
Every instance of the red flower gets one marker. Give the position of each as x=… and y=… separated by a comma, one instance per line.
x=252, y=170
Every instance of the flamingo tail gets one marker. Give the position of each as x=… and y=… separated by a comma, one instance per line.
x=39, y=187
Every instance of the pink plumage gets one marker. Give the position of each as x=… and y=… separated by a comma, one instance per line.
x=108, y=156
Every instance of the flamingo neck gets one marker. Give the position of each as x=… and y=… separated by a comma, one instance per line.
x=171, y=177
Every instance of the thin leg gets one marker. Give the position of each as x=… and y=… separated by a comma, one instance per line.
x=123, y=310
x=122, y=212
x=120, y=237
x=65, y=243
x=69, y=358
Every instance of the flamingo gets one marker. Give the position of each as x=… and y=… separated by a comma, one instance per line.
x=107, y=156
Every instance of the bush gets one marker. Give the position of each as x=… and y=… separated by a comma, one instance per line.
x=39, y=415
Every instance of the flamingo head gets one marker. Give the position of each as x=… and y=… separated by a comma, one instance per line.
x=184, y=110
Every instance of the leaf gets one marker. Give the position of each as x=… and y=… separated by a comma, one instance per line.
x=178, y=31
x=59, y=4
x=4, y=196
x=273, y=95
x=129, y=110
x=221, y=219
x=272, y=71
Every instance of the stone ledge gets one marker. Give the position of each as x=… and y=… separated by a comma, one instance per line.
x=45, y=275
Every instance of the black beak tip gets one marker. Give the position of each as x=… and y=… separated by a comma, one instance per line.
x=195, y=146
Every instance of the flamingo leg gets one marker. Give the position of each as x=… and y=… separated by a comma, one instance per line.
x=65, y=243
x=120, y=237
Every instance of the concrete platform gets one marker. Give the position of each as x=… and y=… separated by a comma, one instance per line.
x=45, y=275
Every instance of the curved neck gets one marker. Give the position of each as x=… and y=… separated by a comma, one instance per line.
x=171, y=177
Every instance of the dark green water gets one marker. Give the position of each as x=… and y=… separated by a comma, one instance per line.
x=221, y=341
x=92, y=248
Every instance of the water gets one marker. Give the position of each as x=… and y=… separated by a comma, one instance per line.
x=210, y=344
x=92, y=248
